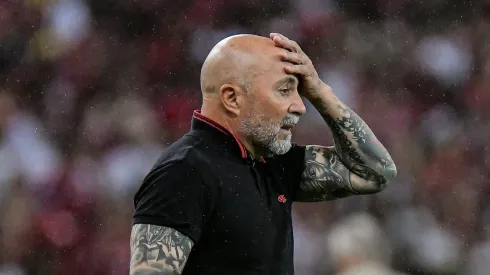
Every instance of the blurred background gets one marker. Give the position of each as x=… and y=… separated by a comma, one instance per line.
x=92, y=91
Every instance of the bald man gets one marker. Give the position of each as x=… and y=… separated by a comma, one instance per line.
x=218, y=201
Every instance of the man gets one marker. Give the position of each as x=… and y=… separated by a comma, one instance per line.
x=218, y=201
x=358, y=246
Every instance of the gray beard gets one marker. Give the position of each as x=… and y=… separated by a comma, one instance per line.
x=264, y=133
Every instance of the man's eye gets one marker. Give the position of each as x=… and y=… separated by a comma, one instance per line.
x=284, y=91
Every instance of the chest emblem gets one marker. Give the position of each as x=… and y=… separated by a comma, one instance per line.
x=281, y=199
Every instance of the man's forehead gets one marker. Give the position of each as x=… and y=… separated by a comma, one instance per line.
x=262, y=61
x=271, y=67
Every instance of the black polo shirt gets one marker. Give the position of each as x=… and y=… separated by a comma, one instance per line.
x=237, y=210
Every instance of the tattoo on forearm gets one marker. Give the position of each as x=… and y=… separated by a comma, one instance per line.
x=326, y=178
x=158, y=250
x=357, y=146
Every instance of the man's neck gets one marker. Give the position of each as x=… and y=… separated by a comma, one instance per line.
x=231, y=126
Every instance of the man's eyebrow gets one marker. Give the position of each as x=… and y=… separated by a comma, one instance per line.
x=287, y=80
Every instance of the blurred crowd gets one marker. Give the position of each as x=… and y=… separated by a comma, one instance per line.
x=92, y=91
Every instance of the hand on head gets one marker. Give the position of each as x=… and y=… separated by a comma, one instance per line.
x=300, y=65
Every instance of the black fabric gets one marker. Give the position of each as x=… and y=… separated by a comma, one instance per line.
x=237, y=210
x=174, y=195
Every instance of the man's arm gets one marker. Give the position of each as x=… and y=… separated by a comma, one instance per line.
x=358, y=164
x=158, y=250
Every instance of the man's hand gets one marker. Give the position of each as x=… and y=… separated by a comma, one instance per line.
x=310, y=84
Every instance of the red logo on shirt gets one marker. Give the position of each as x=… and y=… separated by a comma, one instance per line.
x=281, y=198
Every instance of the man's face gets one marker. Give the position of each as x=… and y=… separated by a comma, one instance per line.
x=274, y=107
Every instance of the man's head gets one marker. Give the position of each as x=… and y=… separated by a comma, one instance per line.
x=245, y=86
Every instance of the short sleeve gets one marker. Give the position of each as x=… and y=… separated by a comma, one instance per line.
x=292, y=164
x=175, y=196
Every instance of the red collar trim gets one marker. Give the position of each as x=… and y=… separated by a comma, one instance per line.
x=197, y=115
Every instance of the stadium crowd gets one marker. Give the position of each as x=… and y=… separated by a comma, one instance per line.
x=92, y=92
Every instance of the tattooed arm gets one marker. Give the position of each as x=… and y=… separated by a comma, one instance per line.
x=358, y=164
x=158, y=250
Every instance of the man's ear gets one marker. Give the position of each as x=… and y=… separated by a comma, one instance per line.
x=232, y=97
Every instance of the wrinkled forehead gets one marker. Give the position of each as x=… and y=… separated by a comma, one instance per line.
x=270, y=67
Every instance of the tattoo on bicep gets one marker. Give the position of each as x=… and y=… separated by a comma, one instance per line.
x=158, y=250
x=324, y=176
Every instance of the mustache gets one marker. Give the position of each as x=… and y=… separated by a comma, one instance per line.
x=290, y=120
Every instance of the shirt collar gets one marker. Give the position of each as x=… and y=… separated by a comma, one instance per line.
x=219, y=133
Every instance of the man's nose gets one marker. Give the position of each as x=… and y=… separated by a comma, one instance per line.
x=297, y=106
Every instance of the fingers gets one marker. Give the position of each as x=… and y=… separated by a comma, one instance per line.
x=301, y=64
x=294, y=58
x=284, y=42
x=303, y=70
